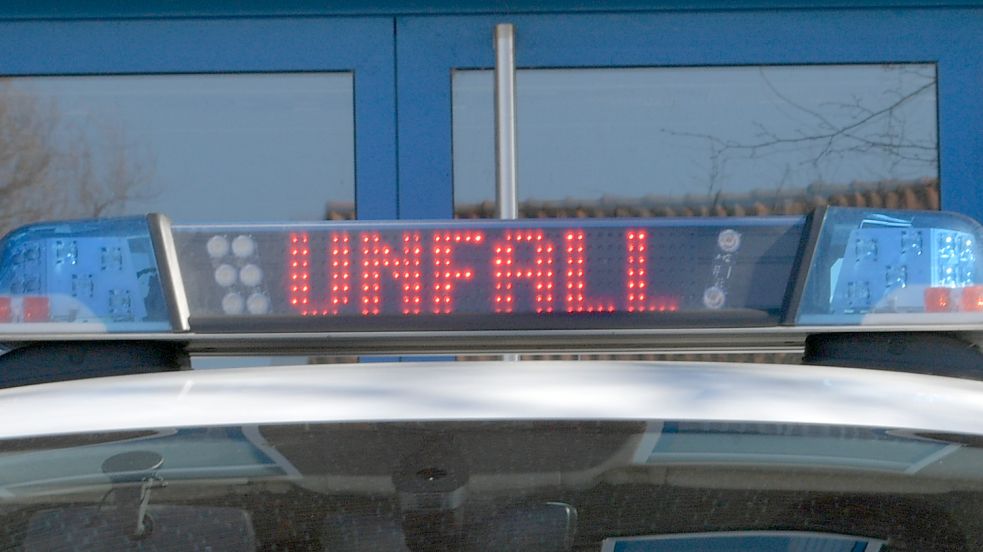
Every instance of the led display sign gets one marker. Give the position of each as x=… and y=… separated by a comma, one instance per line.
x=490, y=274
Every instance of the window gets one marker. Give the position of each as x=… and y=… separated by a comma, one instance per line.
x=750, y=140
x=499, y=485
x=217, y=147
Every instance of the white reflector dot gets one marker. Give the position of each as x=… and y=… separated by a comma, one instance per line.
x=729, y=241
x=714, y=297
x=233, y=303
x=217, y=246
x=225, y=275
x=243, y=246
x=251, y=275
x=258, y=303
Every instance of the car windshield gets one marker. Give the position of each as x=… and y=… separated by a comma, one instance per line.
x=649, y=486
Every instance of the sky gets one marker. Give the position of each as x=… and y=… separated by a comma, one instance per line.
x=586, y=133
x=221, y=147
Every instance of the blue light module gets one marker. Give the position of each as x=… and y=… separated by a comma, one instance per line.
x=86, y=276
x=901, y=267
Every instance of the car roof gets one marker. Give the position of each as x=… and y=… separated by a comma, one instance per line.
x=523, y=390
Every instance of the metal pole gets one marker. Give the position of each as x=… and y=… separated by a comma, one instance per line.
x=506, y=205
x=505, y=173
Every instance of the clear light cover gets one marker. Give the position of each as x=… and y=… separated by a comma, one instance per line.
x=80, y=277
x=874, y=267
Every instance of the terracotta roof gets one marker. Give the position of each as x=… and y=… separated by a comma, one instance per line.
x=918, y=194
x=889, y=194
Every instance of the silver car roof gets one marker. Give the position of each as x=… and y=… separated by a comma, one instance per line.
x=525, y=390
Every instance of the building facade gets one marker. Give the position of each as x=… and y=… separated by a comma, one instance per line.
x=382, y=109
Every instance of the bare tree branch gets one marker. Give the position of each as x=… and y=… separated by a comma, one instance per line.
x=50, y=168
x=844, y=128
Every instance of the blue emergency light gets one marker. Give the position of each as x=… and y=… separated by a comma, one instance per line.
x=81, y=276
x=842, y=267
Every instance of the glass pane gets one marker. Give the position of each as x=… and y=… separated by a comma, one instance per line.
x=217, y=147
x=495, y=485
x=722, y=141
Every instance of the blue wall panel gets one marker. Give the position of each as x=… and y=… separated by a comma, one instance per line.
x=101, y=9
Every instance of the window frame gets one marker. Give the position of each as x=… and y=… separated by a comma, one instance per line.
x=429, y=49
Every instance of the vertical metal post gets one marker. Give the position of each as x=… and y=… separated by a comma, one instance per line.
x=506, y=204
x=505, y=173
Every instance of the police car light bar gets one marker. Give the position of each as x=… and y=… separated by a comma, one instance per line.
x=698, y=283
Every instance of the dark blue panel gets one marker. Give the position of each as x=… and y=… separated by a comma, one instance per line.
x=59, y=9
x=364, y=46
x=961, y=125
x=430, y=48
